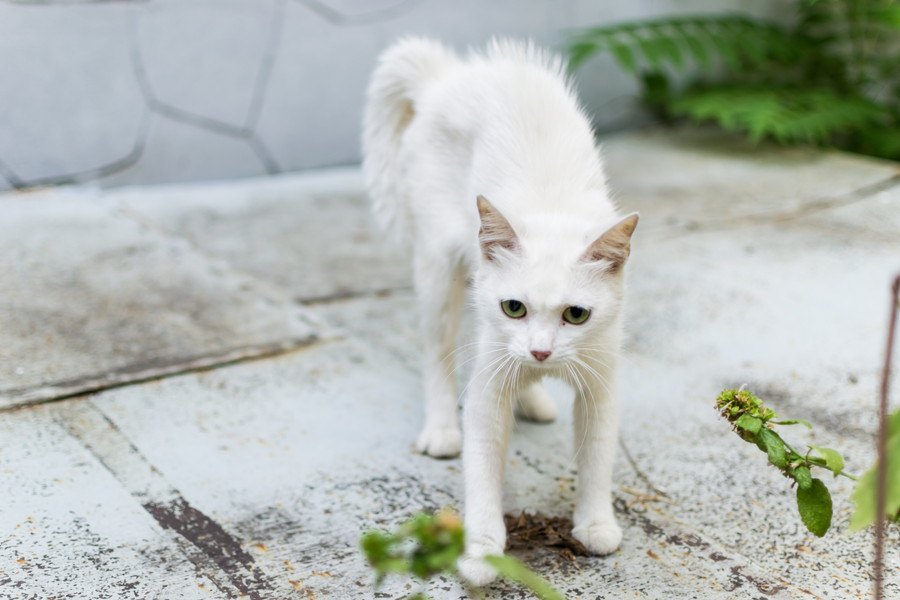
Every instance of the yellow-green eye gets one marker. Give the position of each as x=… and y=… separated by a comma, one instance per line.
x=576, y=315
x=513, y=309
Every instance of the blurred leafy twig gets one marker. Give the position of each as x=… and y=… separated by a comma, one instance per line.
x=429, y=545
x=754, y=422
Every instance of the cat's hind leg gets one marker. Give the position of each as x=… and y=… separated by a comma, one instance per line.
x=535, y=404
x=440, y=289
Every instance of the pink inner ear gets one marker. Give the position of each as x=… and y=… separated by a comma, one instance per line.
x=495, y=229
x=615, y=244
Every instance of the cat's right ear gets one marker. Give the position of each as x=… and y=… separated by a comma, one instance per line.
x=496, y=232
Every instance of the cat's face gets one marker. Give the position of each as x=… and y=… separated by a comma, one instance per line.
x=549, y=301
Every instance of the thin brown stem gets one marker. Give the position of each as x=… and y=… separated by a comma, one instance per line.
x=881, y=474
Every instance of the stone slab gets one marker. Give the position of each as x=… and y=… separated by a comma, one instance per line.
x=296, y=491
x=91, y=298
x=688, y=179
x=288, y=460
x=309, y=235
x=69, y=529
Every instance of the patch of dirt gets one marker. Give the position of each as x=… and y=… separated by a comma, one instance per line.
x=527, y=531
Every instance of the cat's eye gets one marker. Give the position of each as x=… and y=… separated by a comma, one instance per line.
x=576, y=315
x=513, y=309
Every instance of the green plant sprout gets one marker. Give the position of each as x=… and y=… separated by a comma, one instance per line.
x=827, y=76
x=429, y=545
x=753, y=422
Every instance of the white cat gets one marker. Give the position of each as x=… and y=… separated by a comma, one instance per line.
x=489, y=169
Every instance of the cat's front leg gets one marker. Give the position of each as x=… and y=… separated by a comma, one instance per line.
x=596, y=431
x=487, y=415
x=440, y=289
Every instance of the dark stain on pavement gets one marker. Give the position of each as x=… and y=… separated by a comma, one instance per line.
x=212, y=540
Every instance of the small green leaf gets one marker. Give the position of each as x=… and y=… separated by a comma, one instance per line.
x=749, y=423
x=834, y=462
x=769, y=441
x=814, y=504
x=803, y=422
x=802, y=476
x=512, y=569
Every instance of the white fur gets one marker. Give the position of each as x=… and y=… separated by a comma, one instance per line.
x=505, y=124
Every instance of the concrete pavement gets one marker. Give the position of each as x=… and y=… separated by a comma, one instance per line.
x=211, y=391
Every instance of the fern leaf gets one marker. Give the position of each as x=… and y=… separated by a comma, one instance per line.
x=785, y=115
x=624, y=56
x=736, y=40
x=694, y=45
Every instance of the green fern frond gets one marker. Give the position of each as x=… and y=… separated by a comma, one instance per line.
x=735, y=39
x=786, y=115
x=831, y=75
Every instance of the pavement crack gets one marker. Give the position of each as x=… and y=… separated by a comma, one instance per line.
x=153, y=370
x=343, y=295
x=639, y=472
x=806, y=208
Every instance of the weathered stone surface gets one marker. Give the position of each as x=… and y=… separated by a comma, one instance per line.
x=311, y=235
x=288, y=460
x=687, y=179
x=205, y=57
x=90, y=298
x=176, y=151
x=69, y=528
x=70, y=100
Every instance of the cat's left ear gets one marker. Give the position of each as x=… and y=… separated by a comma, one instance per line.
x=496, y=232
x=615, y=244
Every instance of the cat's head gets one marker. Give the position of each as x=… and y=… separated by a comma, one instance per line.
x=553, y=294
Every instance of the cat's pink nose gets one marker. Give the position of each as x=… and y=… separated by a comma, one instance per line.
x=540, y=355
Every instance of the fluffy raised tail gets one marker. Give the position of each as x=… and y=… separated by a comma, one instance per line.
x=402, y=73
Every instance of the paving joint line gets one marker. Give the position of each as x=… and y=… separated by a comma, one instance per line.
x=808, y=207
x=344, y=296
x=91, y=385
x=217, y=555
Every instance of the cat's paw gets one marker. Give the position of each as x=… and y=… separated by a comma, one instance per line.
x=600, y=537
x=440, y=442
x=535, y=404
x=475, y=571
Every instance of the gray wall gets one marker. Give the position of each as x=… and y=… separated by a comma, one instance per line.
x=123, y=92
